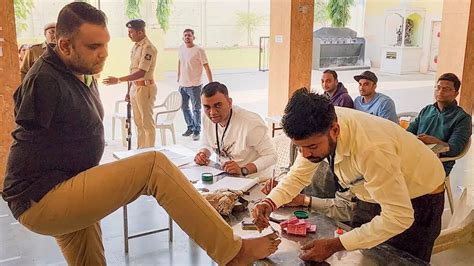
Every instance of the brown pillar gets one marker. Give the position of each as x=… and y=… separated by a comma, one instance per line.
x=9, y=79
x=291, y=48
x=456, y=47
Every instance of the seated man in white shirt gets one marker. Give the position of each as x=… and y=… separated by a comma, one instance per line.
x=392, y=174
x=238, y=137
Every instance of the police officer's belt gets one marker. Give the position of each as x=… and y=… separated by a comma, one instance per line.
x=144, y=82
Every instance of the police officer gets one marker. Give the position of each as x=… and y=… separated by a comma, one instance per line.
x=35, y=51
x=143, y=90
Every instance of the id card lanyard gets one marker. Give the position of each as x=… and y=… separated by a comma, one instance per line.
x=223, y=135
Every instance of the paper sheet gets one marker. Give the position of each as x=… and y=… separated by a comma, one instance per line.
x=234, y=183
x=193, y=172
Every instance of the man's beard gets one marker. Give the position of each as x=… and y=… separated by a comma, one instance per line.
x=78, y=66
x=332, y=149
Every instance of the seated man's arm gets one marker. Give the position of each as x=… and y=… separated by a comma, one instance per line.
x=347, y=101
x=413, y=127
x=459, y=138
x=386, y=185
x=37, y=100
x=337, y=208
x=204, y=153
x=259, y=139
x=387, y=111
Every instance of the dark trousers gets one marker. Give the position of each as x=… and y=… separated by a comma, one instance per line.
x=417, y=240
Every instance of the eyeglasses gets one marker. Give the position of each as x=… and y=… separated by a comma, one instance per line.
x=444, y=89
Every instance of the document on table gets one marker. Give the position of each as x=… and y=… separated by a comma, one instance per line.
x=177, y=159
x=234, y=183
x=193, y=172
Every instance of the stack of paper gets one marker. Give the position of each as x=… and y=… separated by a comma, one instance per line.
x=234, y=183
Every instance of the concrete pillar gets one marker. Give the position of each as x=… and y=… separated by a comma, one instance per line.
x=9, y=79
x=291, y=49
x=456, y=47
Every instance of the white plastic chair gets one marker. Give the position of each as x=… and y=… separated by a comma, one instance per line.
x=171, y=106
x=460, y=227
x=410, y=115
x=282, y=145
x=122, y=116
x=447, y=183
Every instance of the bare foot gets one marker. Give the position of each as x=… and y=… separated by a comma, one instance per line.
x=256, y=248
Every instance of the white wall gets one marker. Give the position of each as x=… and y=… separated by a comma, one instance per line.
x=374, y=28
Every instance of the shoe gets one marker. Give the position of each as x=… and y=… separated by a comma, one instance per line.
x=196, y=136
x=188, y=133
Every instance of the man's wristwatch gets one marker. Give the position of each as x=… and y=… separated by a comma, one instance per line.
x=307, y=201
x=244, y=171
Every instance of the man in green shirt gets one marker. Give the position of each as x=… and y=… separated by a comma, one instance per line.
x=444, y=122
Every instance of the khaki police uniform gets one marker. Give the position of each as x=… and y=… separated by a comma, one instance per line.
x=143, y=91
x=31, y=55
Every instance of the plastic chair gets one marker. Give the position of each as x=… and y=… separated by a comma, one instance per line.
x=171, y=106
x=447, y=183
x=282, y=145
x=460, y=227
x=122, y=116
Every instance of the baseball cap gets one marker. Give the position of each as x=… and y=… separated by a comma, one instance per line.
x=367, y=75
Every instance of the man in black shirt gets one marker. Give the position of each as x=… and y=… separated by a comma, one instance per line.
x=53, y=183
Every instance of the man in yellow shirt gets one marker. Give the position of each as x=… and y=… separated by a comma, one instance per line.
x=397, y=180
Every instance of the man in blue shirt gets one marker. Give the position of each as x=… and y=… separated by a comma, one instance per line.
x=444, y=122
x=373, y=102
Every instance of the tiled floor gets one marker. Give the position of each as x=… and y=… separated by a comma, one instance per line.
x=248, y=88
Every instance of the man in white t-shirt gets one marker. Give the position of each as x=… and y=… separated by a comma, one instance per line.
x=238, y=137
x=192, y=59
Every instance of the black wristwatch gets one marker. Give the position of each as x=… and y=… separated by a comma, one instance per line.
x=244, y=171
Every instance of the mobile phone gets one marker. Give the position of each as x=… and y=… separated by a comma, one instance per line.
x=248, y=225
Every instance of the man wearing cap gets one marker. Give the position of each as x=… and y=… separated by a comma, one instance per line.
x=372, y=102
x=143, y=90
x=35, y=51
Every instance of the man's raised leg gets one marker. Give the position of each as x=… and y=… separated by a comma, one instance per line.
x=95, y=193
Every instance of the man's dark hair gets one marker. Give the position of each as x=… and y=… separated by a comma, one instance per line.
x=73, y=15
x=332, y=72
x=214, y=87
x=451, y=77
x=188, y=30
x=307, y=114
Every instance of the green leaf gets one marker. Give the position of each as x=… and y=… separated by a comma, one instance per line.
x=132, y=9
x=339, y=12
x=163, y=13
x=22, y=11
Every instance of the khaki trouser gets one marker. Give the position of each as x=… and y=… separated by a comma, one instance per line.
x=143, y=99
x=72, y=210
